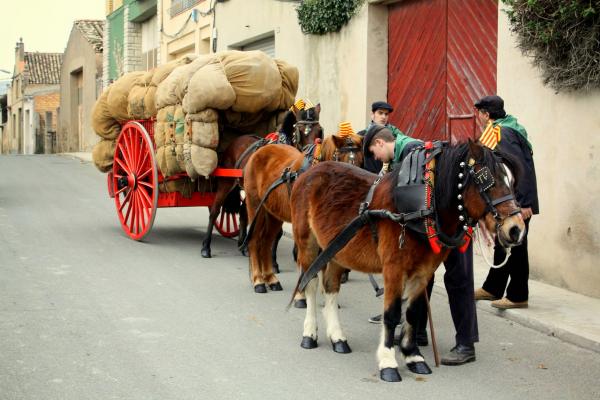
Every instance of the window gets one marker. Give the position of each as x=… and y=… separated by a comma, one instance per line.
x=267, y=45
x=179, y=6
x=150, y=43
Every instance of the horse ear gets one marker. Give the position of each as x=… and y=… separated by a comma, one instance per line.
x=338, y=141
x=318, y=108
x=475, y=149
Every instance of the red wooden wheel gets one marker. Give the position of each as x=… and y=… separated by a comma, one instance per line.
x=228, y=223
x=135, y=180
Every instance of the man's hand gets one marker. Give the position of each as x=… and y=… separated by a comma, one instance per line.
x=526, y=212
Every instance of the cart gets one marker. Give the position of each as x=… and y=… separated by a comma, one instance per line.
x=134, y=184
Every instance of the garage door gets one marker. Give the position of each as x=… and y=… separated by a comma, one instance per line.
x=267, y=45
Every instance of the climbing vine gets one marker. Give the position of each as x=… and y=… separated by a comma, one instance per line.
x=319, y=17
x=562, y=37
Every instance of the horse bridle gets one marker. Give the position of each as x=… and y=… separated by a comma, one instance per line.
x=310, y=120
x=485, y=181
x=349, y=148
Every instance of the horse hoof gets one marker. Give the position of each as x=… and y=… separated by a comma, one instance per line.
x=308, y=343
x=276, y=287
x=300, y=303
x=390, y=375
x=205, y=253
x=341, y=346
x=419, y=367
x=344, y=277
x=260, y=288
x=276, y=268
x=244, y=252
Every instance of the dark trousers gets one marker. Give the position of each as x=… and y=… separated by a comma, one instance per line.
x=517, y=268
x=458, y=279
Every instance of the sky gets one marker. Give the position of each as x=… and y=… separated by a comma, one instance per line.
x=44, y=25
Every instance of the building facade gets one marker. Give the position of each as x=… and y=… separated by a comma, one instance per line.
x=81, y=85
x=131, y=38
x=33, y=102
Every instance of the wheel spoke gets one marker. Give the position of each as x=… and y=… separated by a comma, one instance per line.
x=121, y=190
x=125, y=201
x=145, y=197
x=135, y=145
x=143, y=161
x=228, y=222
x=235, y=224
x=137, y=211
x=142, y=176
x=146, y=184
x=221, y=217
x=122, y=164
x=127, y=154
x=131, y=212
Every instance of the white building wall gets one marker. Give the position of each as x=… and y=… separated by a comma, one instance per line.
x=564, y=129
x=344, y=71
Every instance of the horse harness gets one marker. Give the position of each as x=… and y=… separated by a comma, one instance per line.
x=414, y=201
x=288, y=177
x=350, y=147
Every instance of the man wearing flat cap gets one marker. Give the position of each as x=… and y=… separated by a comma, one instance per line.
x=503, y=132
x=382, y=145
x=380, y=115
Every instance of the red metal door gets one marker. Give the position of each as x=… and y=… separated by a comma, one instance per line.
x=442, y=57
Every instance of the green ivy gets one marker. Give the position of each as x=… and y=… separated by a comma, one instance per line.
x=562, y=37
x=319, y=17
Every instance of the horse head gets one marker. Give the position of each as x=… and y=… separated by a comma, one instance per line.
x=484, y=182
x=306, y=129
x=346, y=149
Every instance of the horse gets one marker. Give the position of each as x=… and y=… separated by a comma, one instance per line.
x=281, y=164
x=328, y=196
x=299, y=128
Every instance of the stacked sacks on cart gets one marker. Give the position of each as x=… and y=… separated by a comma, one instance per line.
x=130, y=97
x=200, y=104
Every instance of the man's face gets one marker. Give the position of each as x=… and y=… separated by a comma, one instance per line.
x=484, y=117
x=380, y=151
x=380, y=116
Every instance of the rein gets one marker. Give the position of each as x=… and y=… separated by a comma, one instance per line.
x=483, y=179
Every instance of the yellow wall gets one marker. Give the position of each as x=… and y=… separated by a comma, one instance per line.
x=193, y=37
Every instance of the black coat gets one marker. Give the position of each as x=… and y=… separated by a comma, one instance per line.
x=513, y=143
x=370, y=163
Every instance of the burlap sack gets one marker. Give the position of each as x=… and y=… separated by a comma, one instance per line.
x=179, y=117
x=207, y=115
x=204, y=160
x=184, y=186
x=205, y=134
x=103, y=154
x=254, y=77
x=289, y=84
x=208, y=88
x=150, y=101
x=173, y=89
x=103, y=122
x=161, y=72
x=187, y=158
x=117, y=97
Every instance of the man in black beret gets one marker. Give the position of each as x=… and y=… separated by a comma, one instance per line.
x=380, y=115
x=504, y=133
x=382, y=145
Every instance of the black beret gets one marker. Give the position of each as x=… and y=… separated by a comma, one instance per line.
x=490, y=103
x=373, y=130
x=381, y=105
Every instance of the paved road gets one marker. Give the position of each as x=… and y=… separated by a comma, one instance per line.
x=86, y=313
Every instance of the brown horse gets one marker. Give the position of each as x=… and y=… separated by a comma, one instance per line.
x=299, y=128
x=327, y=198
x=265, y=167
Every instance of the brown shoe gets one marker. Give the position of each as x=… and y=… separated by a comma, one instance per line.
x=505, y=303
x=481, y=294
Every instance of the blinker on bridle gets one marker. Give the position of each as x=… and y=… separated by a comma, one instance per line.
x=349, y=148
x=484, y=180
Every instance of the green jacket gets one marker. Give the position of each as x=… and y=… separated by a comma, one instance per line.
x=511, y=122
x=401, y=148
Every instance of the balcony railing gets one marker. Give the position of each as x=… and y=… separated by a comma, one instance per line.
x=179, y=6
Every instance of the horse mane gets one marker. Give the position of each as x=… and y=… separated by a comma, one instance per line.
x=448, y=167
x=287, y=126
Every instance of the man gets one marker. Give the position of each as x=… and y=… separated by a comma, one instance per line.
x=382, y=145
x=380, y=142
x=504, y=133
x=380, y=115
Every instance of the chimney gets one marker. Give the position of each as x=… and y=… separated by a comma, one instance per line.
x=20, y=51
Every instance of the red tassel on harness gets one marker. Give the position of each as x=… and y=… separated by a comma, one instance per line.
x=273, y=136
x=468, y=236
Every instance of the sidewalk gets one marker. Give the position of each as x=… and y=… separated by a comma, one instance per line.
x=558, y=312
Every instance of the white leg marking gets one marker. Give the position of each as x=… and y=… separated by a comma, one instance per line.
x=330, y=313
x=386, y=357
x=310, y=321
x=413, y=359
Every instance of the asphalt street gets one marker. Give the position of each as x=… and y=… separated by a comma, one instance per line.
x=87, y=313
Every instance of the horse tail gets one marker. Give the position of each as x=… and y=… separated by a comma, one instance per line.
x=232, y=203
x=295, y=291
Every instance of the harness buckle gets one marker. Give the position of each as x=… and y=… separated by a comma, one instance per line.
x=401, y=237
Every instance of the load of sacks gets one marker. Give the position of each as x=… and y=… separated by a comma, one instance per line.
x=200, y=104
